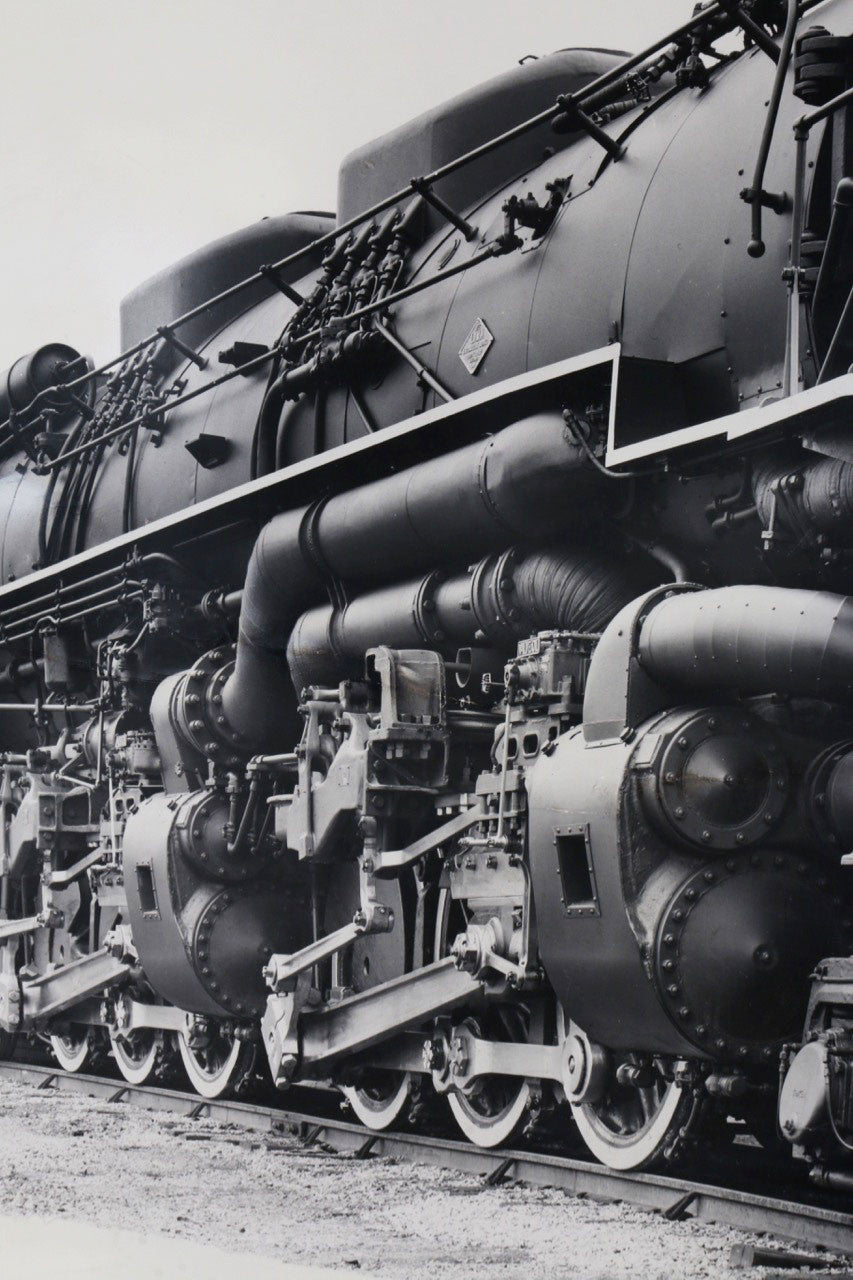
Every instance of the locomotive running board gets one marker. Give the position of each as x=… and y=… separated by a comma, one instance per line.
x=446, y=427
x=826, y=405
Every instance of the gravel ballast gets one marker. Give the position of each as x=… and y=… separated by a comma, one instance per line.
x=66, y=1156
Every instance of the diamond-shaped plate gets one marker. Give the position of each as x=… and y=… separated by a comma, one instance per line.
x=476, y=345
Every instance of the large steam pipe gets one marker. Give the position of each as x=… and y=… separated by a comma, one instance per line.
x=495, y=602
x=752, y=639
x=528, y=480
x=809, y=492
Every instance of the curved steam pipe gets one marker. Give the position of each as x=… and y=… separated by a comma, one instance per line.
x=752, y=639
x=497, y=601
x=529, y=480
x=681, y=640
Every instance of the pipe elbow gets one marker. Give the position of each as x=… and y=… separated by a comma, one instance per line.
x=752, y=640
x=277, y=581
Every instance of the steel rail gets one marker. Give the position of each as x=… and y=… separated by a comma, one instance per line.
x=676, y=1198
x=590, y=95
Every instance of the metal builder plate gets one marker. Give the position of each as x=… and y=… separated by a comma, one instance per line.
x=475, y=346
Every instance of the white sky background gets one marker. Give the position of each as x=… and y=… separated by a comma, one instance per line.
x=134, y=131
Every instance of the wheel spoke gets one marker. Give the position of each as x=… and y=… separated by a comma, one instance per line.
x=632, y=1128
x=218, y=1065
x=648, y=1101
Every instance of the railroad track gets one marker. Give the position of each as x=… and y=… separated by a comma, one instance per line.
x=676, y=1198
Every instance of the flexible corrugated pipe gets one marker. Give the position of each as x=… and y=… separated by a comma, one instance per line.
x=528, y=480
x=809, y=493
x=495, y=602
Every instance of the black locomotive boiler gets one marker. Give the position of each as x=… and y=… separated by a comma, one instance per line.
x=427, y=662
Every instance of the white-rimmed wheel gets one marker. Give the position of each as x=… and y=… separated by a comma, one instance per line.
x=378, y=1096
x=494, y=1114
x=632, y=1126
x=73, y=1048
x=215, y=1061
x=380, y=1101
x=495, y=1108
x=136, y=1054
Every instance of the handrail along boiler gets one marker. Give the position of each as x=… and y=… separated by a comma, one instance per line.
x=426, y=658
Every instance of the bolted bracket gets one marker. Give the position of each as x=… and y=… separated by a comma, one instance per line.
x=243, y=353
x=168, y=335
x=270, y=273
x=424, y=189
x=779, y=202
x=570, y=118
x=209, y=450
x=280, y=1028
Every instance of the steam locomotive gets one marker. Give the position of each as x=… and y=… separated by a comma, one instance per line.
x=426, y=662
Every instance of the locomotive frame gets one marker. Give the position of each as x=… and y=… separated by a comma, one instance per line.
x=451, y=752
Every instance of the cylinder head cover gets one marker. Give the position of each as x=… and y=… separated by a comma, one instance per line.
x=735, y=948
x=200, y=834
x=720, y=779
x=203, y=943
x=34, y=373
